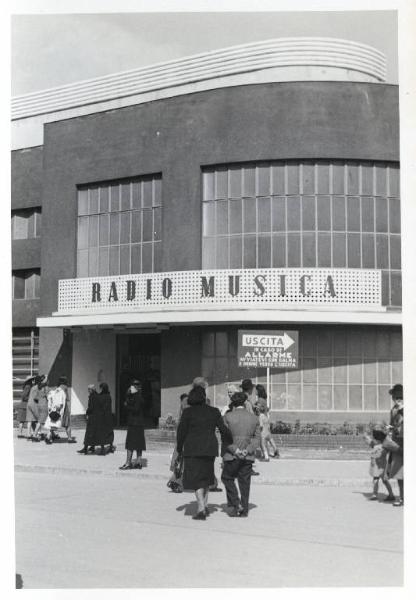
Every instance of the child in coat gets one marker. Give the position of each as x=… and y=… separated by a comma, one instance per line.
x=378, y=463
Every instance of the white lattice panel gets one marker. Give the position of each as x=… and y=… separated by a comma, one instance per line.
x=244, y=288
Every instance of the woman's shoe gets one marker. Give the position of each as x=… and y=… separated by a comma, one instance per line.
x=200, y=516
x=398, y=502
x=82, y=451
x=126, y=467
x=389, y=499
x=137, y=465
x=206, y=511
x=373, y=497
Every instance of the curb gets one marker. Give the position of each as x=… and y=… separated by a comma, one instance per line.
x=311, y=482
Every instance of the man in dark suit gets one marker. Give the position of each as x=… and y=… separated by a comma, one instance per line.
x=239, y=456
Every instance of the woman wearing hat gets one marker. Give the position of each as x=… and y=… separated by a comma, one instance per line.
x=395, y=442
x=135, y=440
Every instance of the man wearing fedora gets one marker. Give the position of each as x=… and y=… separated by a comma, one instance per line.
x=395, y=460
x=248, y=388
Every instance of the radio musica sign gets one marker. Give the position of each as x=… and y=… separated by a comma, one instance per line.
x=221, y=288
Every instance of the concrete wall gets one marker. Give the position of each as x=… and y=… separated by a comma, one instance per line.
x=26, y=254
x=24, y=312
x=26, y=177
x=177, y=136
x=94, y=361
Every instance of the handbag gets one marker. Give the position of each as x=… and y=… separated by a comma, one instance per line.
x=54, y=416
x=178, y=466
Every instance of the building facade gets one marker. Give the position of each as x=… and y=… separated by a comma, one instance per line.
x=157, y=212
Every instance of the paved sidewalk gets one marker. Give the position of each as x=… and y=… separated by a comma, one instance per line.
x=62, y=457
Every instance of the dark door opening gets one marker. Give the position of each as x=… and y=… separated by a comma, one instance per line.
x=138, y=357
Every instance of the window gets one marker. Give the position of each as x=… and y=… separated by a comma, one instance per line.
x=304, y=214
x=26, y=284
x=120, y=227
x=26, y=223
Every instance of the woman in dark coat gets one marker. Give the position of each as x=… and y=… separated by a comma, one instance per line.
x=22, y=407
x=91, y=418
x=105, y=430
x=197, y=441
x=135, y=440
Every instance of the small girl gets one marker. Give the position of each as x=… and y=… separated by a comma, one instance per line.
x=265, y=433
x=378, y=462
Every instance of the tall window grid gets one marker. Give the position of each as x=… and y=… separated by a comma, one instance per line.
x=26, y=284
x=304, y=214
x=26, y=223
x=340, y=369
x=119, y=227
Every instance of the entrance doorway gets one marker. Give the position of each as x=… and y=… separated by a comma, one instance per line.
x=138, y=357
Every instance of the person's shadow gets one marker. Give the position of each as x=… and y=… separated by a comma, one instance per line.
x=19, y=581
x=191, y=508
x=368, y=495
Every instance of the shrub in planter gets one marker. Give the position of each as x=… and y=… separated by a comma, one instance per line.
x=280, y=427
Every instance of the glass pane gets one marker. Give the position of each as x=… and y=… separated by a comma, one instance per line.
x=367, y=207
x=83, y=232
x=353, y=179
x=104, y=229
x=338, y=213
x=157, y=257
x=263, y=177
x=136, y=198
x=136, y=255
x=325, y=397
x=29, y=287
x=324, y=213
x=381, y=180
x=396, y=371
x=249, y=252
x=103, y=261
x=208, y=218
x=340, y=370
x=309, y=249
x=340, y=343
x=325, y=343
x=278, y=179
x=396, y=289
x=136, y=226
x=353, y=214
x=384, y=398
x=394, y=215
x=356, y=397
x=382, y=251
x=264, y=214
x=338, y=178
x=309, y=397
x=324, y=369
x=264, y=252
x=293, y=250
x=279, y=214
x=292, y=179
x=394, y=183
x=381, y=214
x=114, y=262
x=208, y=185
x=104, y=199
x=157, y=191
x=293, y=213
x=208, y=253
x=395, y=252
x=115, y=198
x=82, y=202
x=324, y=249
x=323, y=178
x=279, y=251
x=125, y=196
x=367, y=188
x=249, y=182
x=124, y=260
x=93, y=232
x=340, y=397
x=294, y=397
x=125, y=227
x=354, y=250
x=236, y=252
x=93, y=262
x=368, y=251
x=355, y=371
x=37, y=286
x=222, y=253
x=279, y=397
x=222, y=217
x=18, y=287
x=236, y=216
x=370, y=371
x=157, y=223
x=235, y=182
x=208, y=341
x=249, y=215
x=147, y=225
x=114, y=229
x=221, y=343
x=309, y=370
x=370, y=397
x=308, y=213
x=308, y=178
x=221, y=183
x=93, y=201
x=385, y=288
x=147, y=198
x=309, y=343
x=339, y=250
x=82, y=263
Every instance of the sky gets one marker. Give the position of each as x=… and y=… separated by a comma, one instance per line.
x=52, y=50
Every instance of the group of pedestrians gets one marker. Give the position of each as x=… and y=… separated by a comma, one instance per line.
x=44, y=409
x=386, y=456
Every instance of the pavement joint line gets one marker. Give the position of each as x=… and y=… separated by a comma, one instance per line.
x=316, y=482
